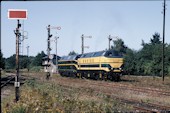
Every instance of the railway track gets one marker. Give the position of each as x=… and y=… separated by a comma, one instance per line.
x=138, y=105
x=152, y=107
x=147, y=90
x=132, y=88
x=6, y=80
x=144, y=106
x=113, y=85
x=140, y=89
x=10, y=79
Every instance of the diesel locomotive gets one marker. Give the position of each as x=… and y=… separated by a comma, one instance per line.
x=96, y=65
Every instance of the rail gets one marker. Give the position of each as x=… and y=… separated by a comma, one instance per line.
x=6, y=81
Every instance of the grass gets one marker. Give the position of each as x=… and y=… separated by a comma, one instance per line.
x=38, y=97
x=41, y=96
x=146, y=81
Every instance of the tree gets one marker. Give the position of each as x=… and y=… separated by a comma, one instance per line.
x=10, y=62
x=129, y=62
x=119, y=46
x=73, y=53
x=149, y=57
x=148, y=60
x=167, y=59
x=2, y=61
x=24, y=62
x=155, y=39
x=38, y=59
x=143, y=43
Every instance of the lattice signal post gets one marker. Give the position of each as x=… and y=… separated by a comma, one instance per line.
x=110, y=38
x=17, y=14
x=82, y=46
x=49, y=49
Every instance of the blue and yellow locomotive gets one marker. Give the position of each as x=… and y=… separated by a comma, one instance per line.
x=96, y=65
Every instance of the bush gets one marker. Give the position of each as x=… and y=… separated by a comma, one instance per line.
x=19, y=109
x=169, y=71
x=46, y=97
x=36, y=68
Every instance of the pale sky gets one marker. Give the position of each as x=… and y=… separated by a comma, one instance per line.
x=131, y=21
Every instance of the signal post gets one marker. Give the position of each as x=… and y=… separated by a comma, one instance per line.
x=49, y=73
x=17, y=14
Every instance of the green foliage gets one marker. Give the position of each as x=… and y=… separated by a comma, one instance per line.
x=167, y=59
x=10, y=62
x=24, y=62
x=119, y=46
x=150, y=55
x=148, y=60
x=42, y=97
x=19, y=109
x=31, y=83
x=130, y=61
x=155, y=39
x=73, y=53
x=38, y=59
x=2, y=61
x=169, y=70
x=36, y=68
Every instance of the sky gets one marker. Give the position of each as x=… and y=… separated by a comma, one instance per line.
x=132, y=21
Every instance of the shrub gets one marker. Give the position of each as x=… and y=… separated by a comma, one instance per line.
x=36, y=68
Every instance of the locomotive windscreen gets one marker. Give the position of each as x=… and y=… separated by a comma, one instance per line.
x=113, y=54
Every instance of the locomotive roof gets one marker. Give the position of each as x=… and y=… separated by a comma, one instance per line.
x=70, y=57
x=107, y=53
x=92, y=54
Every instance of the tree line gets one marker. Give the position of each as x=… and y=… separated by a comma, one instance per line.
x=24, y=61
x=146, y=61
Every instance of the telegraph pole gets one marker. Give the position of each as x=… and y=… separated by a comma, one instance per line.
x=23, y=38
x=109, y=40
x=56, y=55
x=163, y=46
x=17, y=83
x=28, y=57
x=27, y=50
x=82, y=46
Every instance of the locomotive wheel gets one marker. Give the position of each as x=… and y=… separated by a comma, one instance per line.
x=73, y=75
x=61, y=73
x=117, y=78
x=104, y=77
x=96, y=76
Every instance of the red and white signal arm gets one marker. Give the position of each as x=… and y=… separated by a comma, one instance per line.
x=17, y=14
